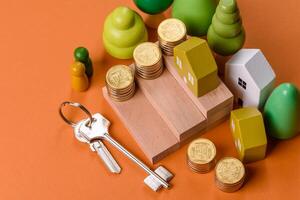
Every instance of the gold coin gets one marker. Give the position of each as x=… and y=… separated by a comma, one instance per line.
x=201, y=151
x=122, y=97
x=171, y=30
x=150, y=76
x=147, y=54
x=230, y=170
x=119, y=77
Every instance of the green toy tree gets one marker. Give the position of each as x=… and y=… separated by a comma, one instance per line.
x=226, y=34
x=196, y=14
x=124, y=29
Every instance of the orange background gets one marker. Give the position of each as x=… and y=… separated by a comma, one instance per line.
x=40, y=158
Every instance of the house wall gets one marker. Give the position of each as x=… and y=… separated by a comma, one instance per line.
x=250, y=96
x=183, y=69
x=265, y=93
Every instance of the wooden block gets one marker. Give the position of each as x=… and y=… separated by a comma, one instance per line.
x=219, y=117
x=208, y=104
x=248, y=130
x=145, y=125
x=174, y=105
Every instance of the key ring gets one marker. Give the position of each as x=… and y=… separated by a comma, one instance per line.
x=77, y=105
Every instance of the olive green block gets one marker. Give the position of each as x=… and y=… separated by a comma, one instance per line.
x=248, y=131
x=195, y=63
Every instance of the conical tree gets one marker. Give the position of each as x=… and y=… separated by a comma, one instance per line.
x=226, y=34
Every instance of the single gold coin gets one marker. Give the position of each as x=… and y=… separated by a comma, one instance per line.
x=230, y=170
x=171, y=30
x=147, y=54
x=201, y=151
x=119, y=77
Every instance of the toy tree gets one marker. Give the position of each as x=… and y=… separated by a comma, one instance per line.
x=226, y=34
x=196, y=14
x=153, y=6
x=154, y=10
x=124, y=29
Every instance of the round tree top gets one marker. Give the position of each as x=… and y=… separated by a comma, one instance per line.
x=153, y=6
x=228, y=6
x=123, y=17
x=81, y=54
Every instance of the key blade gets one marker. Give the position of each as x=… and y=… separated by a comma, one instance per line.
x=106, y=157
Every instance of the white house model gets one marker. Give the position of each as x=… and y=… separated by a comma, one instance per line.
x=250, y=77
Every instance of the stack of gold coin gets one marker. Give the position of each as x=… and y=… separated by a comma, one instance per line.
x=120, y=82
x=148, y=60
x=171, y=32
x=230, y=174
x=201, y=155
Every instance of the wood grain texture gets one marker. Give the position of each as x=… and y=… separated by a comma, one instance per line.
x=218, y=117
x=145, y=125
x=208, y=104
x=173, y=104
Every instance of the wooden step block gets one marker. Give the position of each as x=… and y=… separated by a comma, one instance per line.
x=219, y=117
x=210, y=103
x=174, y=105
x=145, y=125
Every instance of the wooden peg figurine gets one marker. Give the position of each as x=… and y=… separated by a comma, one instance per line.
x=79, y=79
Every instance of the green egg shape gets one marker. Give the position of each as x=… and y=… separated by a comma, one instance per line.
x=282, y=112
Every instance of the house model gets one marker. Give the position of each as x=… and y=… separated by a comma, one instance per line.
x=196, y=65
x=250, y=77
x=249, y=134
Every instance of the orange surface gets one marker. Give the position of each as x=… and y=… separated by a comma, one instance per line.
x=40, y=158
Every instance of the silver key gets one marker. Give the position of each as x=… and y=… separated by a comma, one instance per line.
x=107, y=158
x=99, y=130
x=100, y=148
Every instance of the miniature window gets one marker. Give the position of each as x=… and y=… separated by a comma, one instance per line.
x=178, y=62
x=184, y=79
x=242, y=83
x=238, y=145
x=232, y=126
x=190, y=78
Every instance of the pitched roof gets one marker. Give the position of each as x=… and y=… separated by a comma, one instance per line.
x=198, y=55
x=256, y=65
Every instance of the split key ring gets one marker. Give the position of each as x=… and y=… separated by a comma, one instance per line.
x=77, y=105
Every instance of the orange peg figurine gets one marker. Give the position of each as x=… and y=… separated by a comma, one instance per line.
x=79, y=79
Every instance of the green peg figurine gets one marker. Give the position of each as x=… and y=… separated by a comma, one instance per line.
x=226, y=34
x=82, y=54
x=124, y=29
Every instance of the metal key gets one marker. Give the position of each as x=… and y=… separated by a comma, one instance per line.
x=98, y=130
x=99, y=147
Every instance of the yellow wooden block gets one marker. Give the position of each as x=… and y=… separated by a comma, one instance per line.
x=196, y=65
x=249, y=134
